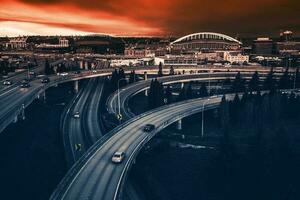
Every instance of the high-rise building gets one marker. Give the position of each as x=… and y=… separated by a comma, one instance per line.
x=286, y=36
x=263, y=46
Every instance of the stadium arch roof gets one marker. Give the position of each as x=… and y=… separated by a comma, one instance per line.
x=206, y=35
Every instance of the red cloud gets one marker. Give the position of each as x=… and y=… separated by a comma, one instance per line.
x=156, y=17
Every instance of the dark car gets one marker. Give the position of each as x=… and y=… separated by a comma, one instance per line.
x=25, y=81
x=25, y=85
x=45, y=80
x=149, y=128
x=77, y=72
x=32, y=73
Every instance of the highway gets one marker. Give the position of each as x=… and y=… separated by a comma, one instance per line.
x=94, y=176
x=127, y=92
x=13, y=98
x=80, y=133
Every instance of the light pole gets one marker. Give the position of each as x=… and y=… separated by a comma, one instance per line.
x=202, y=128
x=28, y=73
x=209, y=74
x=295, y=76
x=119, y=106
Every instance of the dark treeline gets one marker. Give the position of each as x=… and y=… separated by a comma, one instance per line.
x=156, y=94
x=253, y=112
x=237, y=85
x=6, y=67
x=118, y=78
x=265, y=165
x=59, y=68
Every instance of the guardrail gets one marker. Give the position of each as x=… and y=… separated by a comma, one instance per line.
x=66, y=181
x=176, y=78
x=62, y=188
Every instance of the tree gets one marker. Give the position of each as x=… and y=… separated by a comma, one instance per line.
x=156, y=94
x=270, y=83
x=254, y=84
x=189, y=91
x=238, y=84
x=224, y=113
x=117, y=79
x=168, y=94
x=160, y=70
x=132, y=77
x=182, y=94
x=297, y=78
x=284, y=81
x=234, y=109
x=172, y=71
x=203, y=90
x=48, y=69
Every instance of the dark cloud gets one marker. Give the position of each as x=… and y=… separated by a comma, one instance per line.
x=179, y=17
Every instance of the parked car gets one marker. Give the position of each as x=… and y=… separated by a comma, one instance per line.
x=149, y=128
x=118, y=157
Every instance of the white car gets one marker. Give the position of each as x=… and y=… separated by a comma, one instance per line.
x=76, y=115
x=62, y=74
x=118, y=157
x=7, y=82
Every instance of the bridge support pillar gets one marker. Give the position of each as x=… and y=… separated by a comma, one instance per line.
x=76, y=86
x=23, y=112
x=182, y=85
x=42, y=96
x=16, y=119
x=81, y=64
x=179, y=124
x=146, y=78
x=86, y=65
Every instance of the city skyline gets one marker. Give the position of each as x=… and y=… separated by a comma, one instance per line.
x=164, y=18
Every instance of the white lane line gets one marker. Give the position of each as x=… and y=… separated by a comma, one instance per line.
x=4, y=93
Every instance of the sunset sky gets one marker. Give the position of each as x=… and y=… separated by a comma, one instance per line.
x=148, y=17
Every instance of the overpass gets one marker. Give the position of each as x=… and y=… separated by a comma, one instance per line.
x=127, y=92
x=14, y=101
x=94, y=176
x=85, y=130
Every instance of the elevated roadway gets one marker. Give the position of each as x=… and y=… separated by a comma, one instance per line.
x=15, y=99
x=129, y=91
x=94, y=176
x=80, y=133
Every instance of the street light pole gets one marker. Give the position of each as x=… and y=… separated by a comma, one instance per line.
x=209, y=82
x=295, y=74
x=28, y=73
x=202, y=128
x=119, y=106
